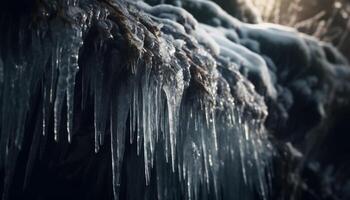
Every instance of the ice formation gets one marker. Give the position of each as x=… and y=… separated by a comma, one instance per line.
x=191, y=88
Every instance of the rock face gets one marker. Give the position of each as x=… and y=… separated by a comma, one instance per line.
x=128, y=100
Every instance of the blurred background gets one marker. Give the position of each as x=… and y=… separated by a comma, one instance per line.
x=328, y=20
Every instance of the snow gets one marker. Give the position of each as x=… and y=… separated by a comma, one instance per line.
x=194, y=93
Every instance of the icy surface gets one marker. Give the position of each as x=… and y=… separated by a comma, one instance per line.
x=191, y=91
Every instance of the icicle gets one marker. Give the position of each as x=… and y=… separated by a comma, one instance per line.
x=55, y=62
x=44, y=111
x=114, y=153
x=72, y=70
x=101, y=100
x=147, y=134
x=60, y=94
x=118, y=116
x=23, y=101
x=137, y=107
x=97, y=118
x=173, y=93
x=197, y=141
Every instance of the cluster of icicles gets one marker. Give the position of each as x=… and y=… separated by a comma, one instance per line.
x=168, y=92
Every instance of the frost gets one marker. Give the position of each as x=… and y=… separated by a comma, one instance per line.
x=192, y=95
